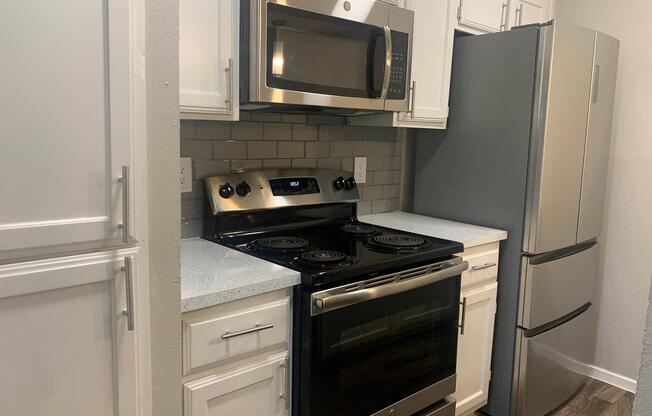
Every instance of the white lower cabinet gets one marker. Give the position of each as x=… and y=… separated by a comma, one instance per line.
x=474, y=348
x=236, y=357
x=259, y=389
x=68, y=342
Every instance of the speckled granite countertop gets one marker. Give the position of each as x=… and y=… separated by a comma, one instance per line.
x=467, y=234
x=212, y=274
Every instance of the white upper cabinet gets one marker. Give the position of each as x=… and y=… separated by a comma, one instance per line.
x=481, y=16
x=208, y=64
x=525, y=12
x=67, y=348
x=432, y=57
x=66, y=121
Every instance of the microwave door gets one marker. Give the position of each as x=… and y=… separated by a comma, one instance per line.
x=305, y=57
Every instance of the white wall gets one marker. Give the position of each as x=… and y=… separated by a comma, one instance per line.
x=164, y=212
x=627, y=240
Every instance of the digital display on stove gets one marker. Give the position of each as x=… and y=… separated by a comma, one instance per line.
x=294, y=186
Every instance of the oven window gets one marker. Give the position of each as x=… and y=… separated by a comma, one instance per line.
x=310, y=52
x=370, y=355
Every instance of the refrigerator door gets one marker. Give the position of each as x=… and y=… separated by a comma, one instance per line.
x=552, y=365
x=557, y=283
x=558, y=137
x=596, y=155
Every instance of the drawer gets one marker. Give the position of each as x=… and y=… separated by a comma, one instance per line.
x=235, y=333
x=483, y=266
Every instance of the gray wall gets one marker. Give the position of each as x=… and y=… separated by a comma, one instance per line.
x=643, y=402
x=627, y=236
x=162, y=61
x=271, y=140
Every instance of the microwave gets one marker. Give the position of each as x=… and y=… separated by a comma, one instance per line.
x=345, y=54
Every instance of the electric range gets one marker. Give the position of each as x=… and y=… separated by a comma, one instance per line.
x=376, y=315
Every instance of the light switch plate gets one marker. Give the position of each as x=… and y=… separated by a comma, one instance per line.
x=185, y=175
x=360, y=169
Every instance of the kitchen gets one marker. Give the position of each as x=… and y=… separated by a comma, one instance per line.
x=430, y=216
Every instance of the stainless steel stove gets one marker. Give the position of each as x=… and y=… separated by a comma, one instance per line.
x=375, y=318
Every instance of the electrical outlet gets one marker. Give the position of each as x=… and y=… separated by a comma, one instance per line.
x=185, y=176
x=360, y=169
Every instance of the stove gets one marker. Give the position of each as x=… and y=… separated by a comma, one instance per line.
x=368, y=294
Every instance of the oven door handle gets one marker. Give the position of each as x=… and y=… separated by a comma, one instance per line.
x=332, y=302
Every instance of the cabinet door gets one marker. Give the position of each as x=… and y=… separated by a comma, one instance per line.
x=208, y=46
x=66, y=346
x=482, y=15
x=432, y=54
x=474, y=348
x=66, y=120
x=260, y=389
x=525, y=12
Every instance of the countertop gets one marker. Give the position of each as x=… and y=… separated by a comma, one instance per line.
x=467, y=234
x=212, y=274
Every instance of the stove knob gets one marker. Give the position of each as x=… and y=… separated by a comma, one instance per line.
x=243, y=188
x=226, y=190
x=339, y=183
x=350, y=183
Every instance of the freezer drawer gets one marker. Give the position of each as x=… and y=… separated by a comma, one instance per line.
x=557, y=283
x=552, y=365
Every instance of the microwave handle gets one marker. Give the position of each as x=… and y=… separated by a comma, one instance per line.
x=388, y=61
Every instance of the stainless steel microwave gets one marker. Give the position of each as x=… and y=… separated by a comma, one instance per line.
x=348, y=54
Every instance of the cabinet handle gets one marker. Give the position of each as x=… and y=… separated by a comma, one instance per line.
x=463, y=303
x=484, y=266
x=503, y=21
x=129, y=310
x=413, y=92
x=517, y=18
x=124, y=180
x=256, y=328
x=520, y=15
x=285, y=366
x=228, y=71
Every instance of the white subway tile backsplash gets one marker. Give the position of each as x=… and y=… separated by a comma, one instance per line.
x=318, y=149
x=292, y=150
x=230, y=149
x=247, y=131
x=304, y=163
x=277, y=131
x=276, y=163
x=261, y=150
x=329, y=163
x=205, y=168
x=304, y=132
x=197, y=149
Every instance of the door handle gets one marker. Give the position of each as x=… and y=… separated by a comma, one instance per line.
x=285, y=367
x=503, y=20
x=124, y=180
x=461, y=325
x=388, y=62
x=484, y=266
x=127, y=268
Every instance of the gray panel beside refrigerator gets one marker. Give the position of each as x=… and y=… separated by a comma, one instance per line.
x=517, y=156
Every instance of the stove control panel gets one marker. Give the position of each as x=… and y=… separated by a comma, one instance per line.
x=268, y=189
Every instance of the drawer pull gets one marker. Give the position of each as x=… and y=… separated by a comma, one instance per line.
x=484, y=266
x=257, y=328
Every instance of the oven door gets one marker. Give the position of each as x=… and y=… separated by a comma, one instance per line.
x=330, y=53
x=380, y=347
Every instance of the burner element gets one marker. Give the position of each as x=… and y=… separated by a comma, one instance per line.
x=323, y=256
x=281, y=245
x=358, y=229
x=398, y=240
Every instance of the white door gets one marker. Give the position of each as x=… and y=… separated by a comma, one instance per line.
x=432, y=52
x=482, y=15
x=526, y=12
x=474, y=348
x=66, y=120
x=66, y=346
x=260, y=389
x=208, y=51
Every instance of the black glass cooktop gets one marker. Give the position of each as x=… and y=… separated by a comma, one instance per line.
x=335, y=252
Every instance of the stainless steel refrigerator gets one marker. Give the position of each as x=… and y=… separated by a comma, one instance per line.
x=526, y=150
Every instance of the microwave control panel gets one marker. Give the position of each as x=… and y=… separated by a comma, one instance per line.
x=398, y=77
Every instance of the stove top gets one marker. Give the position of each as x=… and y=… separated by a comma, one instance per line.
x=305, y=219
x=334, y=252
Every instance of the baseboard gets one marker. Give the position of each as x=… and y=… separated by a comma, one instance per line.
x=612, y=378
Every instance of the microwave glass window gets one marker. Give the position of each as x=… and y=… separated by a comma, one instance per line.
x=310, y=52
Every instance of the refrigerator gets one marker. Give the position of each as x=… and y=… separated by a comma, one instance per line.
x=526, y=150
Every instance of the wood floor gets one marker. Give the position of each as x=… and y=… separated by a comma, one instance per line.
x=598, y=399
